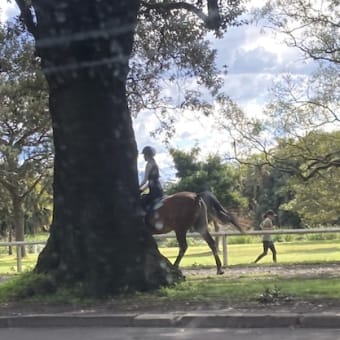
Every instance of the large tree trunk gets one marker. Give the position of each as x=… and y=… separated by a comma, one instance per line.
x=97, y=235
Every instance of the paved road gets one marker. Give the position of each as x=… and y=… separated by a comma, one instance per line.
x=167, y=334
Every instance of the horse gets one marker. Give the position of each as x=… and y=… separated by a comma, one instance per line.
x=189, y=210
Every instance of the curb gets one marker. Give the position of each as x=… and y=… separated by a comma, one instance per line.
x=186, y=320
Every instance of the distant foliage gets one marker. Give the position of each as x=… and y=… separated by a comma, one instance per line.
x=210, y=174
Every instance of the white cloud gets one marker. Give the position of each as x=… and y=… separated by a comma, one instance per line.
x=258, y=60
x=7, y=10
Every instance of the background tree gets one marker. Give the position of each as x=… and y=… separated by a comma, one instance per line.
x=267, y=187
x=314, y=199
x=299, y=106
x=5, y=213
x=85, y=49
x=186, y=163
x=38, y=213
x=210, y=174
x=25, y=127
x=292, y=137
x=275, y=185
x=310, y=26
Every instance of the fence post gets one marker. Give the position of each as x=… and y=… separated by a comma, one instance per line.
x=225, y=249
x=19, y=266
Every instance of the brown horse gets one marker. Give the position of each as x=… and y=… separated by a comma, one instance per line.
x=184, y=210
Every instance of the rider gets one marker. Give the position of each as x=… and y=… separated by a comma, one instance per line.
x=151, y=180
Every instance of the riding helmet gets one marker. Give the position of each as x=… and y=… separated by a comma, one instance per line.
x=270, y=213
x=148, y=150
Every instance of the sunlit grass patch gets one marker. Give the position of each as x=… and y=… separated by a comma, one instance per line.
x=8, y=263
x=238, y=254
x=248, y=289
x=31, y=287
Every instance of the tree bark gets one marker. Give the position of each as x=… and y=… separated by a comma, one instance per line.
x=10, y=239
x=98, y=235
x=19, y=222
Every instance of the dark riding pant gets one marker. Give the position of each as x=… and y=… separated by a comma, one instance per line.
x=148, y=201
x=267, y=245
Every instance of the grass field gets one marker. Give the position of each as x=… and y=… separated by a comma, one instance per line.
x=213, y=289
x=247, y=287
x=287, y=252
x=238, y=254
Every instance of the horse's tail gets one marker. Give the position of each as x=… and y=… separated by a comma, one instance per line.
x=200, y=223
x=217, y=211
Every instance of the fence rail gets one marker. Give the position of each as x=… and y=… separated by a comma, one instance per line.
x=223, y=234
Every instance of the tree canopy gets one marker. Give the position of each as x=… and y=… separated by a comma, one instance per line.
x=172, y=51
x=26, y=153
x=300, y=106
x=210, y=174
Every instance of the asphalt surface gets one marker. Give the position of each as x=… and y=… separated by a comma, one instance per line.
x=136, y=333
x=202, y=319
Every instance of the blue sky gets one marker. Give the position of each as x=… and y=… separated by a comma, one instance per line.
x=255, y=60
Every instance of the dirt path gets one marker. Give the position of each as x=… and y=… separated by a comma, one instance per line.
x=291, y=270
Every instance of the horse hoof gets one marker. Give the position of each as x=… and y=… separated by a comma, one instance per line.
x=220, y=272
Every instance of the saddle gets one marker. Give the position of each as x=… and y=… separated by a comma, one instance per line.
x=150, y=208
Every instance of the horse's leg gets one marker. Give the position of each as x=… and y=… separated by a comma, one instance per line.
x=183, y=246
x=201, y=225
x=212, y=245
x=217, y=238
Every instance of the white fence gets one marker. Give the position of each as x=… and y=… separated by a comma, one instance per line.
x=18, y=245
x=223, y=234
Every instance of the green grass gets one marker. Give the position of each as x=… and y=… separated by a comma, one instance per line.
x=208, y=290
x=8, y=263
x=238, y=254
x=248, y=288
x=37, y=237
x=39, y=288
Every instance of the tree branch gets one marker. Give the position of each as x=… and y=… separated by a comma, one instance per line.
x=211, y=21
x=31, y=188
x=26, y=16
x=9, y=186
